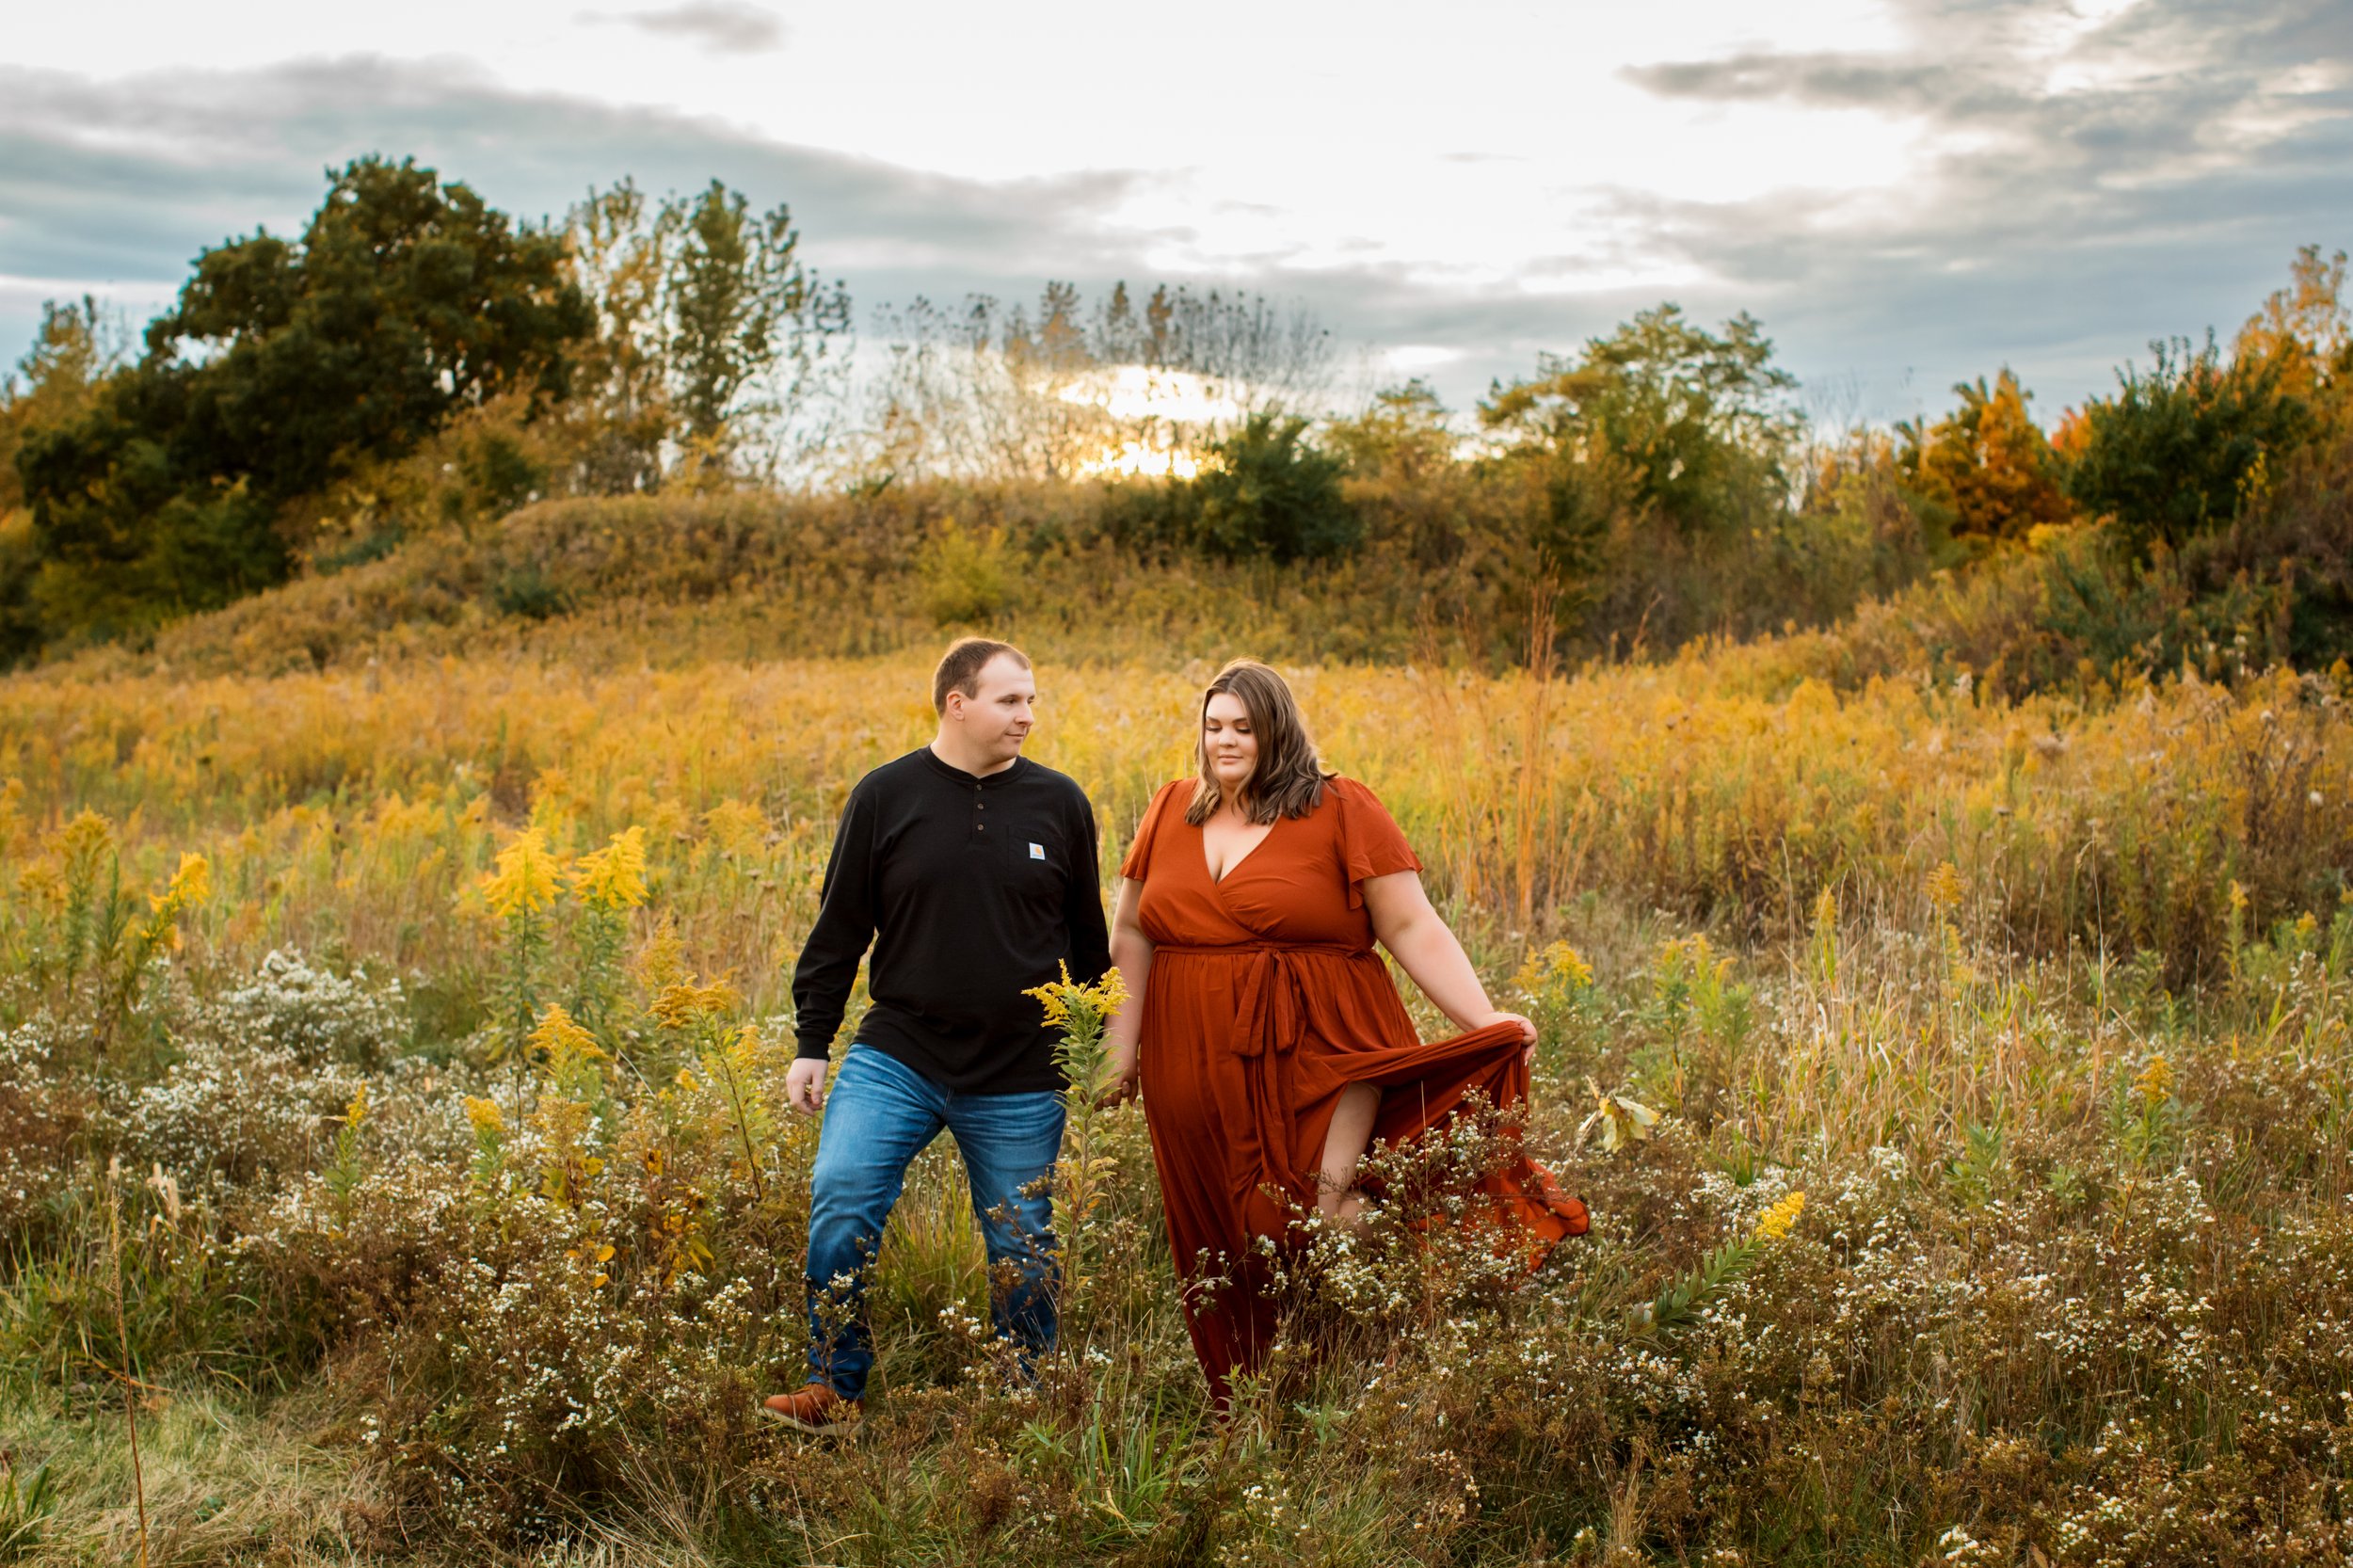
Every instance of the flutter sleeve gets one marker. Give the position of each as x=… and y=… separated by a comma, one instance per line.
x=1371, y=843
x=1139, y=852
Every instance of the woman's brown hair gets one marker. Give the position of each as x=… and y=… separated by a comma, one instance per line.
x=1288, y=779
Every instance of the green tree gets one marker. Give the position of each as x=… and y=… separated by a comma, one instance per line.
x=1403, y=435
x=404, y=301
x=621, y=415
x=1662, y=417
x=710, y=328
x=283, y=365
x=2177, y=450
x=1267, y=491
x=76, y=347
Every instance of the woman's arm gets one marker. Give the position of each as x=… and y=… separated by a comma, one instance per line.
x=1131, y=955
x=1417, y=937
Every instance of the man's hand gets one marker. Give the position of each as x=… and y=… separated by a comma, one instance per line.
x=804, y=1084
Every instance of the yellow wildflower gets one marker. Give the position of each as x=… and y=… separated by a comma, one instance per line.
x=1775, y=1222
x=614, y=877
x=1558, y=968
x=735, y=828
x=1945, y=888
x=661, y=962
x=563, y=1041
x=1061, y=997
x=2155, y=1081
x=191, y=884
x=681, y=1003
x=524, y=882
x=40, y=883
x=84, y=839
x=487, y=1120
x=357, y=1111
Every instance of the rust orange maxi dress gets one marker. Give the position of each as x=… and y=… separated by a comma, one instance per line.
x=1265, y=1000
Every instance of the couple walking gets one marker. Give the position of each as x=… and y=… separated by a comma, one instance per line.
x=1267, y=1037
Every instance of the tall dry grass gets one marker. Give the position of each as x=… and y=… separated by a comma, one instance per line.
x=2041, y=1004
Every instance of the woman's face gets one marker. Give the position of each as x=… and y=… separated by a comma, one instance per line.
x=1228, y=741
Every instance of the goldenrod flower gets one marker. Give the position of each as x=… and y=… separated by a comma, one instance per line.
x=525, y=880
x=683, y=1001
x=85, y=838
x=192, y=884
x=661, y=962
x=614, y=877
x=1558, y=968
x=40, y=883
x=2155, y=1081
x=1945, y=888
x=1775, y=1222
x=487, y=1120
x=736, y=827
x=563, y=1041
x=1061, y=997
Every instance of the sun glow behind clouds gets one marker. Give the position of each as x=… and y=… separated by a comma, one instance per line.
x=1160, y=419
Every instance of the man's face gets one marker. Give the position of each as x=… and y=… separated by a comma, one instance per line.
x=997, y=717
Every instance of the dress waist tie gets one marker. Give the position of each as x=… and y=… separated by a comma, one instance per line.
x=1270, y=1008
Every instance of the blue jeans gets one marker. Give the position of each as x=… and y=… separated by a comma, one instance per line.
x=879, y=1116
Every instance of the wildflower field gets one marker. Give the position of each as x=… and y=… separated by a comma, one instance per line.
x=392, y=1146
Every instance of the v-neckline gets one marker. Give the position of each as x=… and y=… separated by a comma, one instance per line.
x=1236, y=864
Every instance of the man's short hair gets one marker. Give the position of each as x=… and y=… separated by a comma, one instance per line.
x=960, y=670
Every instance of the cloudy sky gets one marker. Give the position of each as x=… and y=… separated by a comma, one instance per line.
x=1905, y=192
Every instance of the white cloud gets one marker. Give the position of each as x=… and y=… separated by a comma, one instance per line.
x=1907, y=191
x=720, y=26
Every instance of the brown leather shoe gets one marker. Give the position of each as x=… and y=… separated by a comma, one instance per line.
x=815, y=1409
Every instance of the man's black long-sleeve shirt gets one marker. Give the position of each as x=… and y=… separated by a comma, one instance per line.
x=972, y=891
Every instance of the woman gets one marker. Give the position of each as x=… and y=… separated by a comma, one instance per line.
x=1270, y=1041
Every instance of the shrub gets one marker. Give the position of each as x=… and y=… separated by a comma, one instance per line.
x=2175, y=453
x=1269, y=493
x=964, y=575
x=314, y=1014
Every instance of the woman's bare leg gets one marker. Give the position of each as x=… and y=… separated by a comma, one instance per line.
x=1338, y=1198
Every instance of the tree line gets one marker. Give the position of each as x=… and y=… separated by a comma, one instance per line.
x=417, y=359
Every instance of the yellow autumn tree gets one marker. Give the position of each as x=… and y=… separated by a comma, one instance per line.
x=1990, y=463
x=2304, y=328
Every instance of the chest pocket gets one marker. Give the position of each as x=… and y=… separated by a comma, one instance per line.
x=1040, y=861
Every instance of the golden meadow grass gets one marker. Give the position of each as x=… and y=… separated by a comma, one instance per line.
x=351, y=807
x=1958, y=1085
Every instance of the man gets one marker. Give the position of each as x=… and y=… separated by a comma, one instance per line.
x=973, y=870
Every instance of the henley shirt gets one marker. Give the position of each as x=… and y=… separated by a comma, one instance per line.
x=971, y=890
